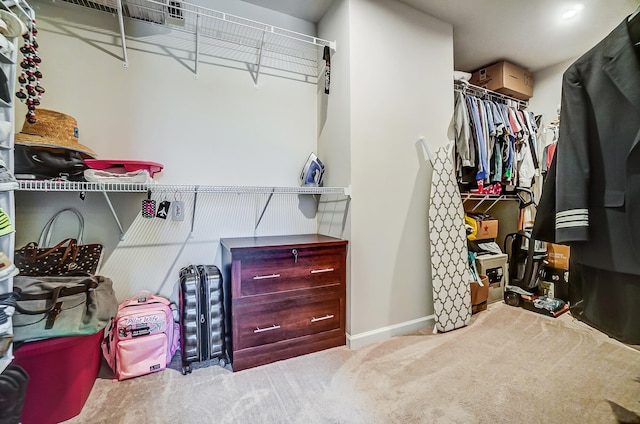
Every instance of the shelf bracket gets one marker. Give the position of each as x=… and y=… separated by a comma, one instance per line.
x=125, y=62
x=485, y=198
x=193, y=212
x=259, y=64
x=113, y=213
x=264, y=209
x=197, y=45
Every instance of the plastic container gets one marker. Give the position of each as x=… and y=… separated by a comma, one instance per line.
x=128, y=165
x=61, y=372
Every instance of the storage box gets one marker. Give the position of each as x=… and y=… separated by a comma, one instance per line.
x=554, y=282
x=479, y=294
x=495, y=267
x=505, y=78
x=558, y=256
x=487, y=229
x=61, y=375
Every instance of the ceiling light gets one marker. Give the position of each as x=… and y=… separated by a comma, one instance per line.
x=571, y=13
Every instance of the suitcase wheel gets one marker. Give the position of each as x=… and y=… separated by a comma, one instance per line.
x=223, y=362
x=511, y=298
x=186, y=369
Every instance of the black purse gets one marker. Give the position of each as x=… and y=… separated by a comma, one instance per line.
x=43, y=162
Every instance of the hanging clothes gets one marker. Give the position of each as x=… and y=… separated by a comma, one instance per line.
x=596, y=186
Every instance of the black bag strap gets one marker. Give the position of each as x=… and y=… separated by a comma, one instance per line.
x=54, y=295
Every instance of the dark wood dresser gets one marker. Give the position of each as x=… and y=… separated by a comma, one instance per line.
x=284, y=296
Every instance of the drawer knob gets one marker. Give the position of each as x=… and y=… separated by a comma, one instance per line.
x=260, y=330
x=314, y=319
x=318, y=271
x=264, y=277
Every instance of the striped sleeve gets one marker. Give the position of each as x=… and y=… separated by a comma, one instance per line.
x=573, y=164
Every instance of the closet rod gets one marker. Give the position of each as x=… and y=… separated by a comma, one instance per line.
x=466, y=88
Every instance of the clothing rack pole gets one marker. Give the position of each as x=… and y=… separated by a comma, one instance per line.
x=466, y=88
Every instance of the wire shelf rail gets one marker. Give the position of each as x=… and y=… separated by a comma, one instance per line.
x=481, y=92
x=80, y=186
x=210, y=27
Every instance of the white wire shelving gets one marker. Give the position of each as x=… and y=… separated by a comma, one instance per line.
x=106, y=188
x=52, y=185
x=228, y=34
x=23, y=11
x=482, y=199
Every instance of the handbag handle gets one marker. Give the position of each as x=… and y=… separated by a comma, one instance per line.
x=45, y=235
x=55, y=294
x=71, y=250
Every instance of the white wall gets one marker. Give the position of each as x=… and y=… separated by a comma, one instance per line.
x=216, y=129
x=334, y=134
x=401, y=63
x=391, y=84
x=548, y=90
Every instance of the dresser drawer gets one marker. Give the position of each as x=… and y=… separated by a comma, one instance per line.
x=290, y=269
x=265, y=323
x=284, y=296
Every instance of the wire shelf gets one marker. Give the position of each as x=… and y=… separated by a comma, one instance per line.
x=484, y=197
x=77, y=186
x=260, y=43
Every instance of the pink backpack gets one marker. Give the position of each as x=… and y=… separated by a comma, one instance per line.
x=142, y=337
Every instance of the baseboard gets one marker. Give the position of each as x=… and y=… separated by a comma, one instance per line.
x=381, y=334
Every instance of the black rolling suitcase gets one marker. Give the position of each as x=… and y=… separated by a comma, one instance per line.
x=202, y=320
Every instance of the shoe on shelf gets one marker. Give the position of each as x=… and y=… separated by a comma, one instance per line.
x=6, y=46
x=5, y=324
x=7, y=268
x=5, y=224
x=7, y=180
x=8, y=299
x=5, y=131
x=5, y=342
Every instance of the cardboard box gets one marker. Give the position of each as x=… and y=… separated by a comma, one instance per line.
x=487, y=229
x=479, y=294
x=558, y=256
x=495, y=267
x=505, y=78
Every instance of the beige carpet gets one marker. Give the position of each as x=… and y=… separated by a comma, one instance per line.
x=508, y=366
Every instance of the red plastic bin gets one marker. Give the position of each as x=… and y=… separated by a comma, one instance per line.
x=61, y=372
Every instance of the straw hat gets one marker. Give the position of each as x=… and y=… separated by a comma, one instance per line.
x=53, y=129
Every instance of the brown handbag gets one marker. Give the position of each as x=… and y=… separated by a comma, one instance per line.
x=68, y=257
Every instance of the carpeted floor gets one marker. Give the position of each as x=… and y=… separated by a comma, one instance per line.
x=508, y=366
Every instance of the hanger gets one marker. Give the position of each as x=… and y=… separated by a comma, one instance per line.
x=633, y=24
x=634, y=14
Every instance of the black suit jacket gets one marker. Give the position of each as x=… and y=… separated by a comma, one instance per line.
x=597, y=178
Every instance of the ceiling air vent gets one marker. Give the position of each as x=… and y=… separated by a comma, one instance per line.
x=144, y=10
